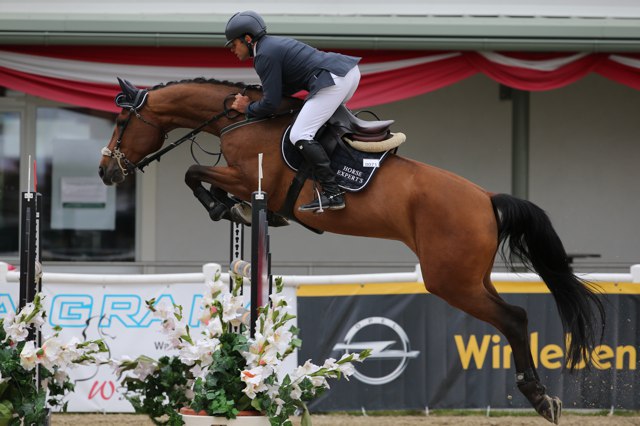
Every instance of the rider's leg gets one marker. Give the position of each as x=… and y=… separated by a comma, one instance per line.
x=315, y=112
x=331, y=196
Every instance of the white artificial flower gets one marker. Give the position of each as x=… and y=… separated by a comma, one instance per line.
x=296, y=392
x=232, y=309
x=306, y=369
x=347, y=369
x=279, y=403
x=276, y=298
x=330, y=364
x=164, y=310
x=269, y=356
x=206, y=314
x=201, y=352
x=28, y=356
x=215, y=327
x=101, y=358
x=27, y=310
x=70, y=352
x=52, y=352
x=18, y=332
x=38, y=320
x=254, y=380
x=216, y=286
x=175, y=334
x=198, y=371
x=144, y=368
x=60, y=376
x=9, y=318
x=280, y=339
x=256, y=348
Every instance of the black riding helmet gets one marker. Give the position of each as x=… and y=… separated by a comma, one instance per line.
x=248, y=22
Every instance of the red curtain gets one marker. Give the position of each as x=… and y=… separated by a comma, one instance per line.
x=86, y=75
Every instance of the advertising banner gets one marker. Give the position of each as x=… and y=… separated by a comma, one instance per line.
x=117, y=314
x=425, y=353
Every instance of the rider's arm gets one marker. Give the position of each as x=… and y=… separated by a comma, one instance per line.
x=269, y=70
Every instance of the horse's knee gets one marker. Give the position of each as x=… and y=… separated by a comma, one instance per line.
x=192, y=176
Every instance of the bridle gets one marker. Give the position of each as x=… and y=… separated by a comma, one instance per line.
x=127, y=166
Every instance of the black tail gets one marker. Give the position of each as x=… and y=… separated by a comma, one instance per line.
x=533, y=240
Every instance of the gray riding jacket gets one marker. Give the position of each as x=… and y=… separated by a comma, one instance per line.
x=286, y=66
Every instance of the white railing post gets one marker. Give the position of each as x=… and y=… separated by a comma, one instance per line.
x=635, y=273
x=209, y=270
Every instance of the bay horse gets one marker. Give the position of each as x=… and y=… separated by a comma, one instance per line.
x=454, y=227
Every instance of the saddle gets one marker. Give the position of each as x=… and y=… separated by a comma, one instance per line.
x=344, y=123
x=354, y=167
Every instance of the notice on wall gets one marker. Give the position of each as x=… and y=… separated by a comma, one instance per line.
x=83, y=192
x=79, y=199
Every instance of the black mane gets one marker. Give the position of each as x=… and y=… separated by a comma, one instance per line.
x=202, y=80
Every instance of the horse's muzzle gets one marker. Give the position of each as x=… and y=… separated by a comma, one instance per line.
x=110, y=175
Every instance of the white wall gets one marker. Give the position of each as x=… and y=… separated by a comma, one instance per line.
x=585, y=148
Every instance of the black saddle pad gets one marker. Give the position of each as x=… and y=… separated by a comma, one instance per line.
x=354, y=169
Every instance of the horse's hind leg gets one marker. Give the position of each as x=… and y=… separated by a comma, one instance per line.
x=478, y=298
x=527, y=377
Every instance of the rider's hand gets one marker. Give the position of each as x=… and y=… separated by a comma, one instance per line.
x=241, y=103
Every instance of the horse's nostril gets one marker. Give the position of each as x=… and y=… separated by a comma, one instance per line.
x=100, y=172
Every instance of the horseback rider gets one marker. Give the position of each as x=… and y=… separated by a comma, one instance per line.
x=286, y=66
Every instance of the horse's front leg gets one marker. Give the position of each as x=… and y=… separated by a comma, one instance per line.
x=216, y=200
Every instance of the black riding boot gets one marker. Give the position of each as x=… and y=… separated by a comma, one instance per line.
x=331, y=197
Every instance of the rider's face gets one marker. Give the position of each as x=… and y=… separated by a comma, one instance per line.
x=240, y=49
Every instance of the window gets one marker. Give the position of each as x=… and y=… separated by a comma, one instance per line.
x=9, y=182
x=83, y=218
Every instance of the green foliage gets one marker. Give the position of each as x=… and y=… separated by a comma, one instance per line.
x=162, y=393
x=220, y=392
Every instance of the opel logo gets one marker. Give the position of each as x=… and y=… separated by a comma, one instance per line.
x=379, y=349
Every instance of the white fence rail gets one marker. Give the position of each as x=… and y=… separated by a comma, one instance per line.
x=7, y=276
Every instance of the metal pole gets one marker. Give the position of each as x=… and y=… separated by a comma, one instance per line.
x=236, y=246
x=30, y=267
x=259, y=255
x=520, y=144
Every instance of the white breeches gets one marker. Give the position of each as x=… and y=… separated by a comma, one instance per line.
x=317, y=110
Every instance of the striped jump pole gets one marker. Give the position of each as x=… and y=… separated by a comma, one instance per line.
x=259, y=269
x=30, y=250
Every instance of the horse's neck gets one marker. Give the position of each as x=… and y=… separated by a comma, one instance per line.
x=189, y=105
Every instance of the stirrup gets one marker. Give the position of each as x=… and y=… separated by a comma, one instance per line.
x=322, y=202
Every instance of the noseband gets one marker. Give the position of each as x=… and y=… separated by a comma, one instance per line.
x=125, y=165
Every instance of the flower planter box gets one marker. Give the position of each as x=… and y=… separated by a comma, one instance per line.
x=245, y=418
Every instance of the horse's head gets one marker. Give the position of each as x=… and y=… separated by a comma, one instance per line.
x=136, y=135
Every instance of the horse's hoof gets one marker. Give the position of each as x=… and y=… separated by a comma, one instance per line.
x=275, y=220
x=550, y=409
x=241, y=213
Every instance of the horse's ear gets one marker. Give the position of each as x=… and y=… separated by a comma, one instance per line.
x=129, y=90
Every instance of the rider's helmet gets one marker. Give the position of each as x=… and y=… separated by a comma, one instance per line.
x=248, y=22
